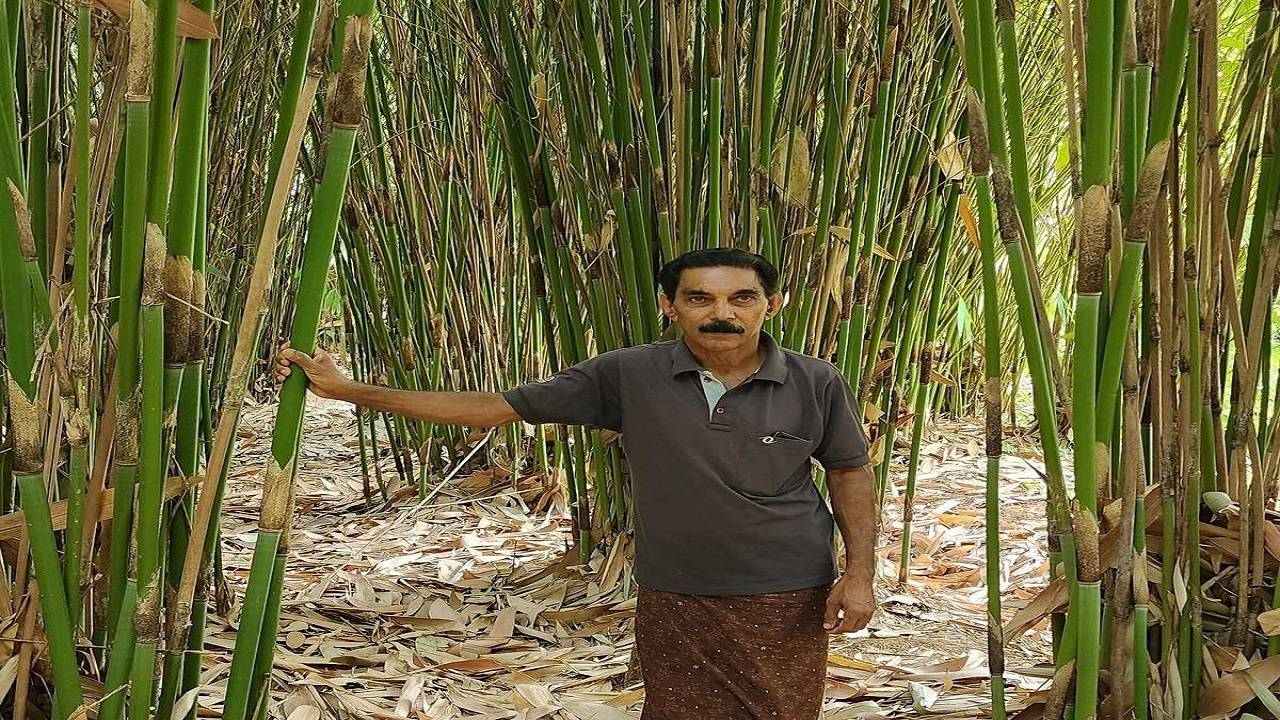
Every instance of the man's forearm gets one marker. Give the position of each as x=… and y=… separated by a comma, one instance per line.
x=473, y=409
x=853, y=502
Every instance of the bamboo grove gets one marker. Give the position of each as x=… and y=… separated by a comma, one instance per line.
x=1059, y=216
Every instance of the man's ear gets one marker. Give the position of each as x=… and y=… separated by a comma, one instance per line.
x=665, y=305
x=775, y=304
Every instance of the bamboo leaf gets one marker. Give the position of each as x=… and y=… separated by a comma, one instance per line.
x=1230, y=693
x=950, y=160
x=1266, y=696
x=970, y=222
x=882, y=251
x=1269, y=621
x=192, y=21
x=922, y=696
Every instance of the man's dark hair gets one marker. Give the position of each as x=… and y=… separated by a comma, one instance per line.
x=669, y=276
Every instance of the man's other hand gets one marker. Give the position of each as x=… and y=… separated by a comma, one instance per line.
x=324, y=377
x=856, y=600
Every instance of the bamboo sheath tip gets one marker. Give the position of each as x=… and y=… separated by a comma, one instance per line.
x=1059, y=691
x=1190, y=270
x=1088, y=557
x=862, y=286
x=195, y=319
x=286, y=530
x=79, y=427
x=141, y=48
x=846, y=298
x=995, y=430
x=348, y=96
x=22, y=213
x=177, y=309
x=24, y=423
x=979, y=145
x=126, y=441
x=153, y=266
x=1095, y=225
x=1006, y=209
x=146, y=619
x=1141, y=593
x=276, y=495
x=1102, y=465
x=995, y=645
x=1147, y=193
x=890, y=51
x=1144, y=32
x=321, y=40
x=1005, y=10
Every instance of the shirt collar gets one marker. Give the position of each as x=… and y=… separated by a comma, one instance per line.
x=773, y=369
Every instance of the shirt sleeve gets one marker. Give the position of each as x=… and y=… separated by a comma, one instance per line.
x=582, y=394
x=844, y=443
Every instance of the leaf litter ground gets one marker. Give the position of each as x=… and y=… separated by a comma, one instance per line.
x=459, y=608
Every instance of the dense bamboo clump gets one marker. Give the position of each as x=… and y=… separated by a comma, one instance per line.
x=1060, y=217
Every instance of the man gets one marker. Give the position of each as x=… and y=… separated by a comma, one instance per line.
x=733, y=539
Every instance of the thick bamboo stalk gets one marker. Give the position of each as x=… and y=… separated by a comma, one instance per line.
x=347, y=101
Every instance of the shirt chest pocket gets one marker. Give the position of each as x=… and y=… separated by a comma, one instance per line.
x=768, y=461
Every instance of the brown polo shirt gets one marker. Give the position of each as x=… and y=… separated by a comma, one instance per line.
x=724, y=497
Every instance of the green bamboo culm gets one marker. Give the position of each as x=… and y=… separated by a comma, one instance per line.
x=81, y=421
x=346, y=109
x=129, y=304
x=1092, y=235
x=29, y=470
x=183, y=342
x=148, y=535
x=980, y=163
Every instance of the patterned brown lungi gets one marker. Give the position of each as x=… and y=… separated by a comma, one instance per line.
x=741, y=657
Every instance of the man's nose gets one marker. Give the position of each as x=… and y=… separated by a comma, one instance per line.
x=723, y=310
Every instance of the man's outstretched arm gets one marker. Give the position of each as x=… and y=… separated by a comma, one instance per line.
x=473, y=409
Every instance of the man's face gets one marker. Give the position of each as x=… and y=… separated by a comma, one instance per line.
x=720, y=307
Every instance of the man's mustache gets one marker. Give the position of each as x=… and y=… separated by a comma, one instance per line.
x=721, y=326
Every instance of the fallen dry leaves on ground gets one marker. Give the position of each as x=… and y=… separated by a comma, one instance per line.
x=444, y=610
